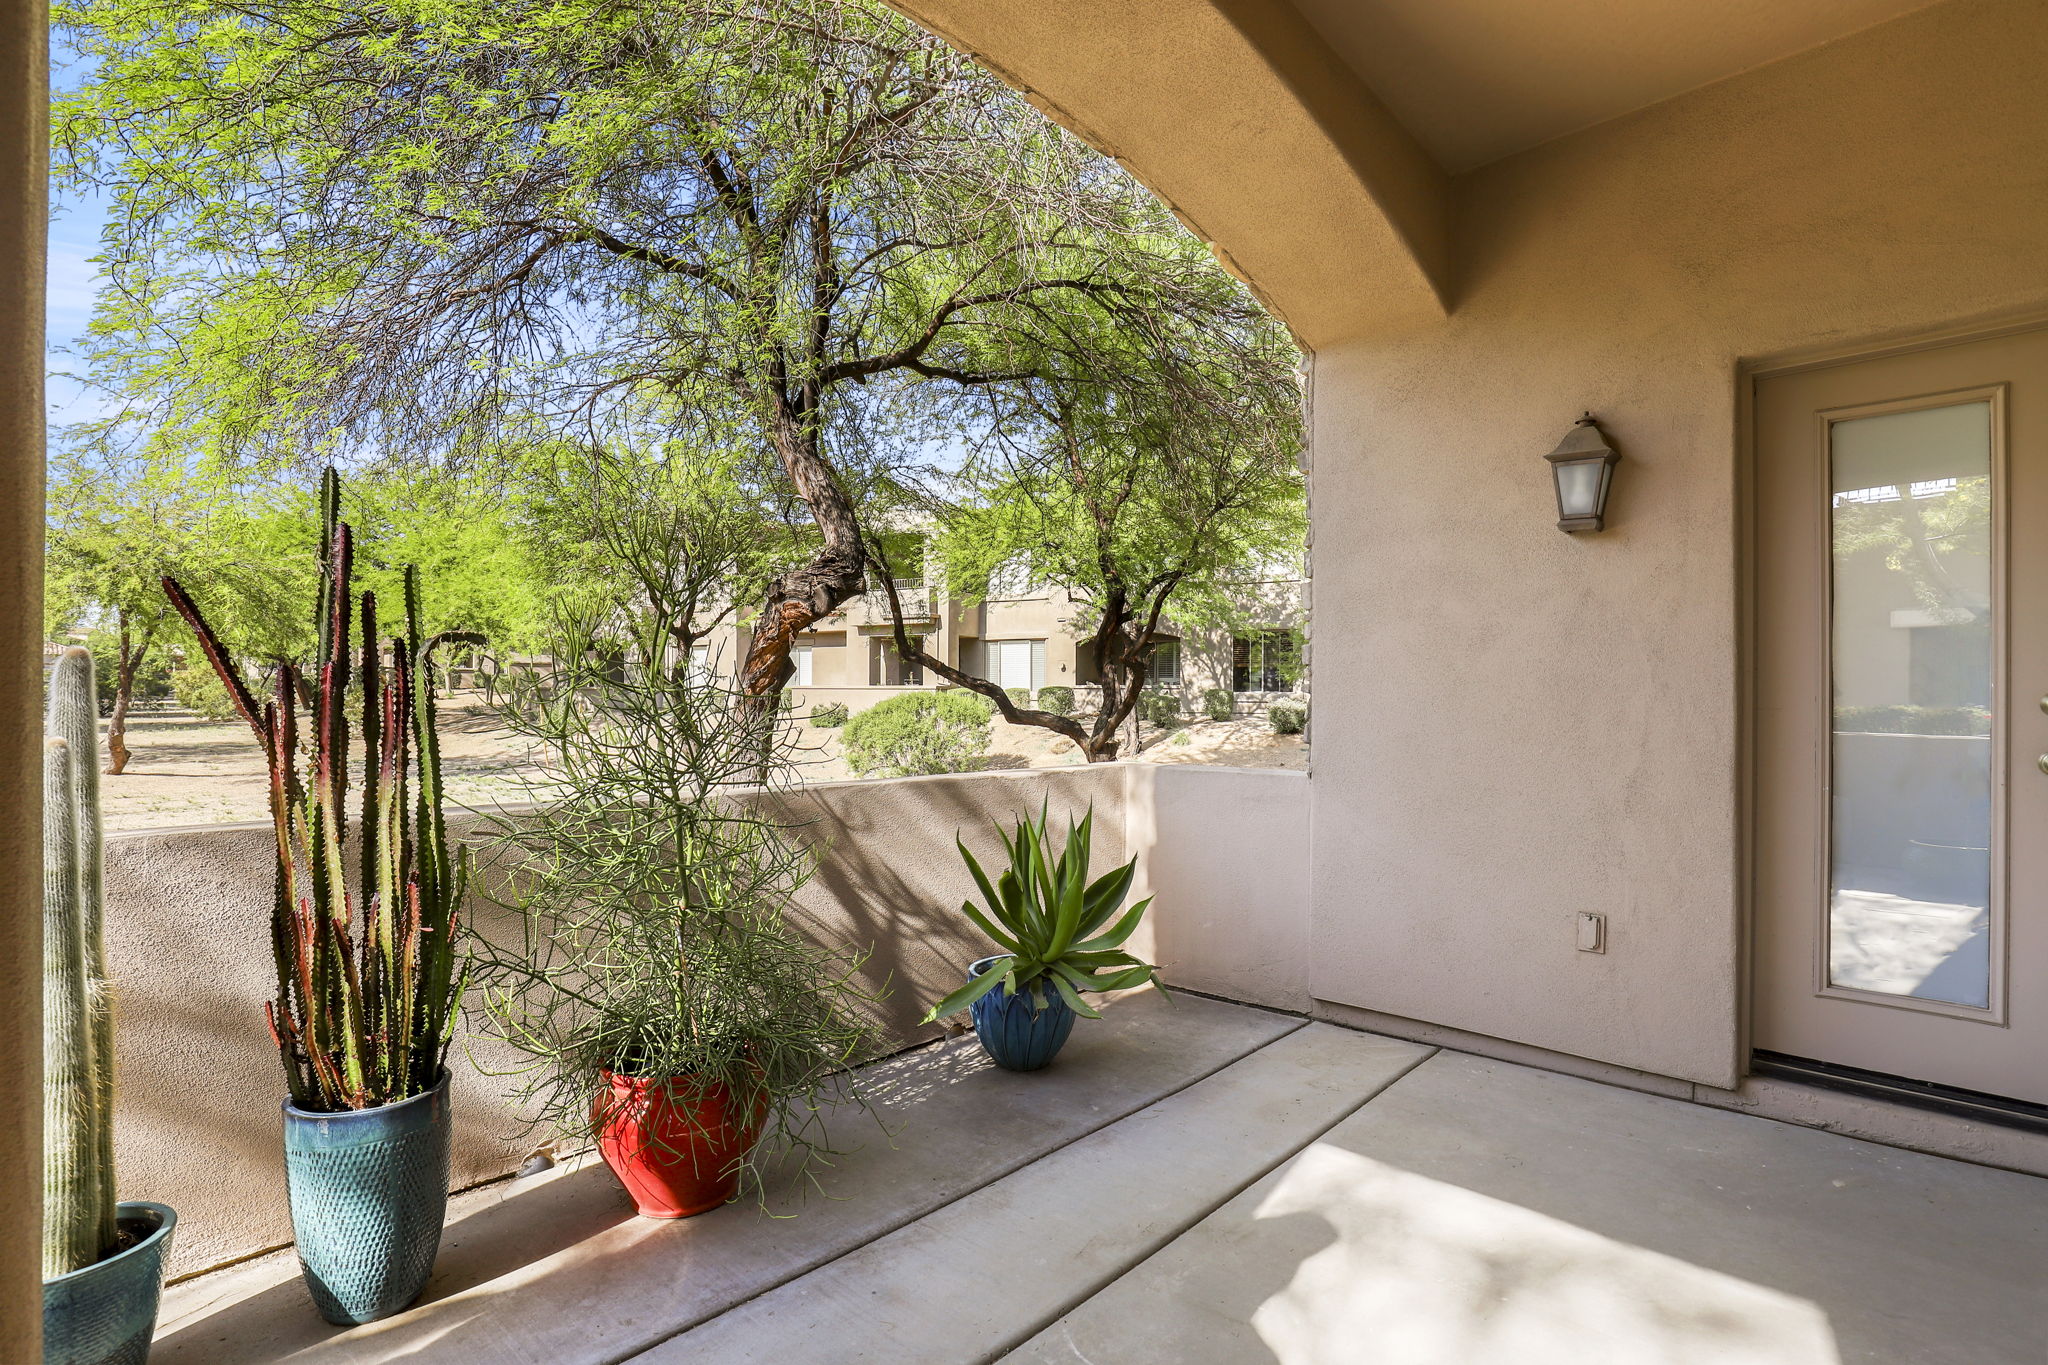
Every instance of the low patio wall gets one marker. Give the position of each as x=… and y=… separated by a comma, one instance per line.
x=198, y=1126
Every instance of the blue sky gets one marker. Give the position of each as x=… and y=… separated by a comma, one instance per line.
x=74, y=239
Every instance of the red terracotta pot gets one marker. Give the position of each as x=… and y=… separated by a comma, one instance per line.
x=675, y=1143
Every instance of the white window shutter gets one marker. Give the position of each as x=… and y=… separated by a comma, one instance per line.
x=1037, y=664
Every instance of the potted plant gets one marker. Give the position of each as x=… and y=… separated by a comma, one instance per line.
x=673, y=1014
x=367, y=972
x=103, y=1262
x=1055, y=929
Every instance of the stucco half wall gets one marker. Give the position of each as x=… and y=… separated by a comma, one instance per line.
x=198, y=1127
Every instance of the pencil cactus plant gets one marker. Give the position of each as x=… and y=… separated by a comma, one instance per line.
x=78, y=1031
x=367, y=984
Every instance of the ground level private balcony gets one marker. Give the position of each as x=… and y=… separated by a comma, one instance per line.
x=1213, y=1176
x=1194, y=1181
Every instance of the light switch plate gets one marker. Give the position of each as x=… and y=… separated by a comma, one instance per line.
x=1592, y=933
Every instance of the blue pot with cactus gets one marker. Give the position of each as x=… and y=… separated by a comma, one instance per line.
x=105, y=1313
x=1060, y=934
x=103, y=1261
x=369, y=978
x=1021, y=1031
x=369, y=1191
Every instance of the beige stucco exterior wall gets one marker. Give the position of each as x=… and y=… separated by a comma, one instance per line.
x=24, y=226
x=198, y=1123
x=1514, y=725
x=1226, y=855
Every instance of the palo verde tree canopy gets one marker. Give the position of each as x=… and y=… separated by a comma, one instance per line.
x=410, y=226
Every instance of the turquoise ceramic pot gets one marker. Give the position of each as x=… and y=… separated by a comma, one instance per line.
x=105, y=1314
x=369, y=1189
x=1018, y=1034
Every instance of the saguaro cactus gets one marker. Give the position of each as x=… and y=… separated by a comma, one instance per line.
x=78, y=1028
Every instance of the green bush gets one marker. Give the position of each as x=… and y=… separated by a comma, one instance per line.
x=1058, y=700
x=1159, y=708
x=1288, y=717
x=1912, y=720
x=829, y=714
x=200, y=691
x=1019, y=696
x=918, y=733
x=1219, y=703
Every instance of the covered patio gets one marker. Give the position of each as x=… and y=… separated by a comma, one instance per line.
x=1514, y=1031
x=1196, y=1180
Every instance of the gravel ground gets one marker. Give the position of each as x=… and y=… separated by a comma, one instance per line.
x=187, y=770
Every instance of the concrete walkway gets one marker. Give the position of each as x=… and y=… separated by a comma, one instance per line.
x=1201, y=1182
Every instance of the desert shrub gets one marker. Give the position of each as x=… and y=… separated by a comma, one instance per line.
x=1219, y=703
x=829, y=714
x=1913, y=720
x=917, y=733
x=1058, y=700
x=1020, y=696
x=1288, y=717
x=1159, y=708
x=200, y=691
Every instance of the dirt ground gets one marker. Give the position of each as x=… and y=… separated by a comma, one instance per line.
x=187, y=770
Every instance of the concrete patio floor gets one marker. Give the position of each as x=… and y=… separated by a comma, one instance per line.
x=1195, y=1181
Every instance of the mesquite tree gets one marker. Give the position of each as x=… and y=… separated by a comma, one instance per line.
x=1167, y=486
x=402, y=224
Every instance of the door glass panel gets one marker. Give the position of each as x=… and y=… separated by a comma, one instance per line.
x=1910, y=896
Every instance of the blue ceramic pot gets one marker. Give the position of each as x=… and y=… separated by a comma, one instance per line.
x=1018, y=1034
x=105, y=1314
x=369, y=1188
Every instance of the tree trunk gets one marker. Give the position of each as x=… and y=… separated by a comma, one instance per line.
x=802, y=596
x=124, y=691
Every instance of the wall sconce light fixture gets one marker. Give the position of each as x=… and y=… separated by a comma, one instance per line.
x=1583, y=467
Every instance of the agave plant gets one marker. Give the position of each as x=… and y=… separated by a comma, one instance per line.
x=367, y=984
x=1052, y=923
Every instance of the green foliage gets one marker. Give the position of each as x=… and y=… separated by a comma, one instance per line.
x=1160, y=708
x=1058, y=700
x=78, y=1024
x=366, y=991
x=829, y=715
x=1050, y=922
x=1218, y=703
x=200, y=691
x=1287, y=717
x=918, y=733
x=1020, y=696
x=1913, y=720
x=652, y=902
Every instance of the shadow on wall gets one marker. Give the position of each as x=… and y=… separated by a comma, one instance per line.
x=188, y=938
x=890, y=880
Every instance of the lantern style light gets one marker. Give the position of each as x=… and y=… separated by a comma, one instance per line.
x=1583, y=466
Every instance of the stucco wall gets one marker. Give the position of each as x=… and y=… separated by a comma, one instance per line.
x=1227, y=856
x=1514, y=725
x=198, y=1126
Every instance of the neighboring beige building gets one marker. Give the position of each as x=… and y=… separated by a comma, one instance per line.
x=1033, y=637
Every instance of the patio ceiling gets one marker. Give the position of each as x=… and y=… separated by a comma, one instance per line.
x=1314, y=144
x=1477, y=80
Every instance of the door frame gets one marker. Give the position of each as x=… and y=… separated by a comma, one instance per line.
x=1749, y=372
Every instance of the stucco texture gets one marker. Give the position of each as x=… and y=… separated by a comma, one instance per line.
x=1515, y=725
x=197, y=1123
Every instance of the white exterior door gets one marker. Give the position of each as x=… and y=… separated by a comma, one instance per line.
x=1901, y=657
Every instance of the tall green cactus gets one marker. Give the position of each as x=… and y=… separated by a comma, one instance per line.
x=78, y=1024
x=364, y=1002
